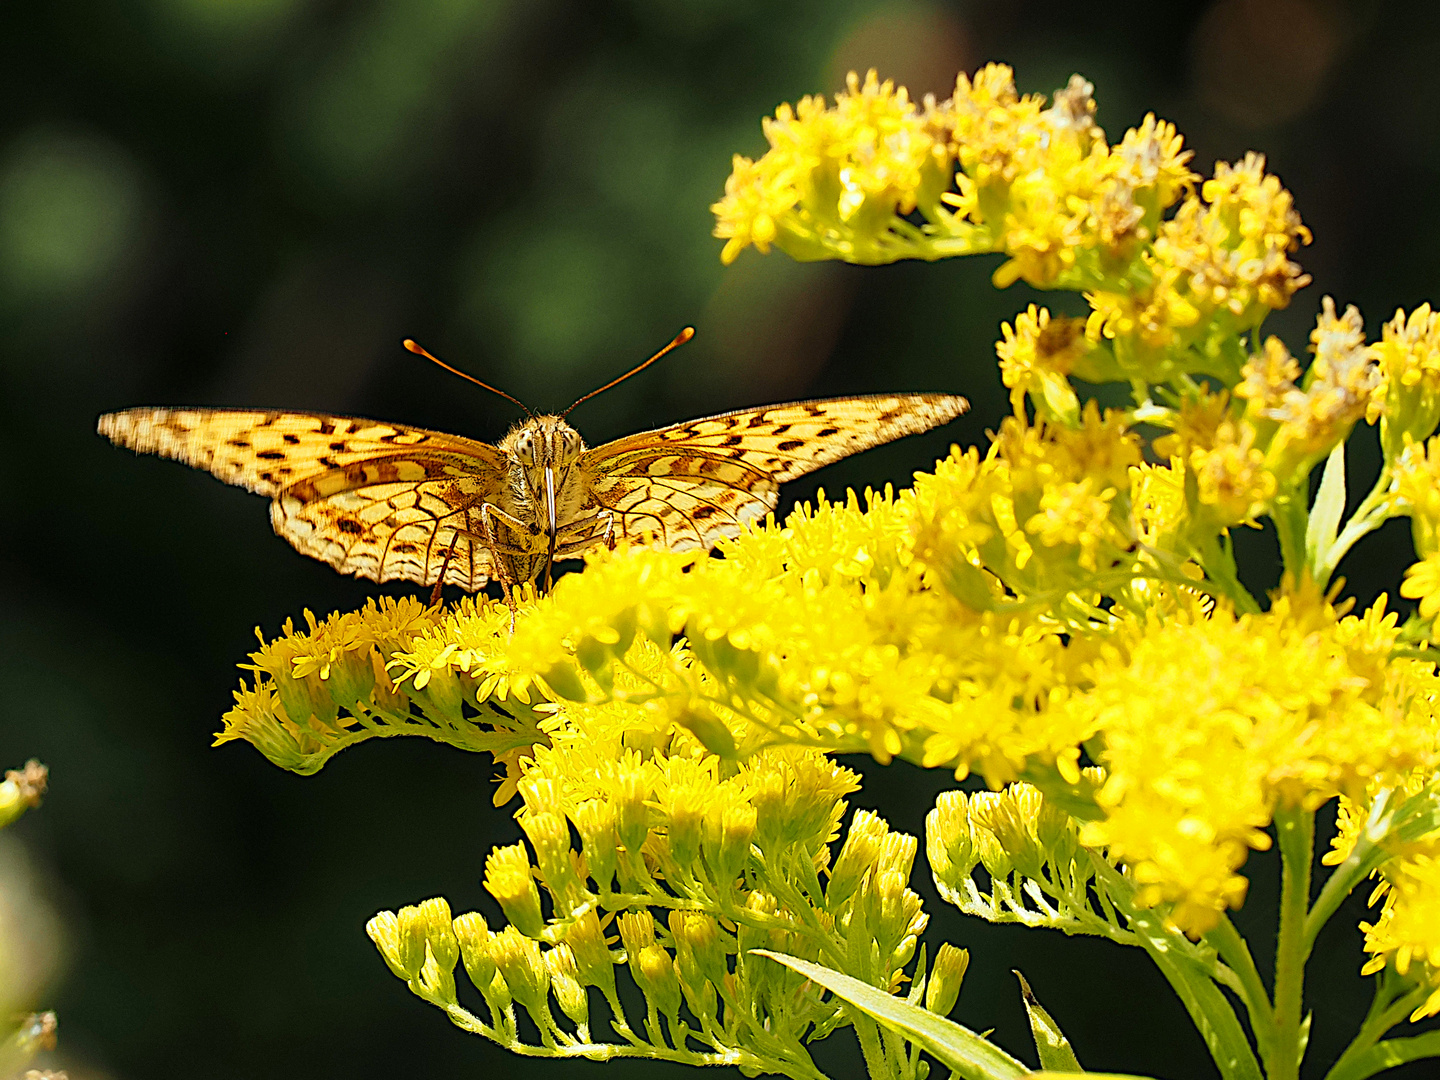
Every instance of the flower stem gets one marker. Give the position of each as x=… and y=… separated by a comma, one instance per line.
x=1296, y=828
x=1235, y=951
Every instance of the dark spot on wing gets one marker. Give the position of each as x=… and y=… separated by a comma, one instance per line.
x=404, y=548
x=239, y=444
x=272, y=455
x=732, y=440
x=337, y=446
x=700, y=513
x=345, y=525
x=781, y=429
x=825, y=433
x=791, y=444
x=293, y=440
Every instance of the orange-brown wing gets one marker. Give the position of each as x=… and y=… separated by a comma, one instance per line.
x=377, y=500
x=693, y=483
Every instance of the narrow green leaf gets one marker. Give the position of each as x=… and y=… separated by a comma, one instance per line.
x=1386, y=1055
x=955, y=1046
x=1050, y=1042
x=1329, y=507
x=1209, y=1009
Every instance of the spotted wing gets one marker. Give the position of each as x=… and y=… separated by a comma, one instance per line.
x=376, y=500
x=693, y=483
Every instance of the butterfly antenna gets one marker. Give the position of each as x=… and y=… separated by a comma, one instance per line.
x=418, y=351
x=680, y=339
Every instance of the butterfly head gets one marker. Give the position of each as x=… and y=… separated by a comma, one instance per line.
x=545, y=481
x=545, y=441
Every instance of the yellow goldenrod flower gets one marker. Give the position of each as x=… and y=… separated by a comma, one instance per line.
x=1231, y=477
x=1338, y=387
x=1211, y=721
x=1415, y=490
x=1406, y=398
x=1422, y=582
x=1407, y=931
x=1036, y=357
x=836, y=181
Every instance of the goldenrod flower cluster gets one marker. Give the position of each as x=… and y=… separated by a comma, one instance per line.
x=1059, y=614
x=21, y=790
x=683, y=867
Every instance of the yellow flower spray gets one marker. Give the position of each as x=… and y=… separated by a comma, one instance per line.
x=1058, y=614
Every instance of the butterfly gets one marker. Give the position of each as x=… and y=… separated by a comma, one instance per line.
x=391, y=502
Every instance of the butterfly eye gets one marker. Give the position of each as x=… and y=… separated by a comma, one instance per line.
x=525, y=448
x=570, y=447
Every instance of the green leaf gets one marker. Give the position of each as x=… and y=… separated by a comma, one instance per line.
x=955, y=1046
x=1386, y=1055
x=1209, y=1009
x=1329, y=506
x=1050, y=1043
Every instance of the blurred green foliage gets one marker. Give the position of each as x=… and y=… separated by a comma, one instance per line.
x=250, y=202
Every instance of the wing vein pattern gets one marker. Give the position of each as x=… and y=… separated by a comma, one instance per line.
x=371, y=499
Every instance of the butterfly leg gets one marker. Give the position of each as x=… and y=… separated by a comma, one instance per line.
x=502, y=570
x=445, y=565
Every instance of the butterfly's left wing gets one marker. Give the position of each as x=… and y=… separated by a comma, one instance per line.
x=693, y=483
x=378, y=500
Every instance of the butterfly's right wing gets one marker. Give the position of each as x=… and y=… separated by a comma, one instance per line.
x=690, y=484
x=377, y=500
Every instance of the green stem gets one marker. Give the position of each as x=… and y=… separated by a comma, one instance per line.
x=1296, y=829
x=868, y=1032
x=1291, y=517
x=1373, y=511
x=1235, y=951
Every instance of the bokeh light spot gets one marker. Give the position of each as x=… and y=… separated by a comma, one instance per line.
x=920, y=47
x=69, y=210
x=1262, y=62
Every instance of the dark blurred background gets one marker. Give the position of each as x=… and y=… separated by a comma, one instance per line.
x=250, y=202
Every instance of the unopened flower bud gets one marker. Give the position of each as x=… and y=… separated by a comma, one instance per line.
x=440, y=932
x=857, y=856
x=594, y=964
x=508, y=878
x=549, y=834
x=518, y=959
x=412, y=939
x=384, y=930
x=473, y=937
x=943, y=989
x=729, y=832
x=656, y=976
x=565, y=984
x=595, y=821
x=632, y=815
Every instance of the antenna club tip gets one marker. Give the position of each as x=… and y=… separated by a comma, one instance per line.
x=685, y=335
x=410, y=344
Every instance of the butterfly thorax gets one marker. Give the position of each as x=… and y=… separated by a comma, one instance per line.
x=547, y=485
